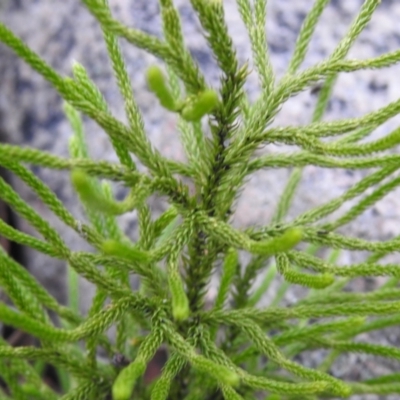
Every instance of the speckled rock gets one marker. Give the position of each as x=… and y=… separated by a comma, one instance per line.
x=31, y=112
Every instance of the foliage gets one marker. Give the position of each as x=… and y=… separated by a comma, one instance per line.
x=234, y=349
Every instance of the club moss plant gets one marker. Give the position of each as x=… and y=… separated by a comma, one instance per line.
x=233, y=349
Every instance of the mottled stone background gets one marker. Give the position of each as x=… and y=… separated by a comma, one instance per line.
x=63, y=31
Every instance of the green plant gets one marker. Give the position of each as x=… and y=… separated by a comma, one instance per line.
x=235, y=350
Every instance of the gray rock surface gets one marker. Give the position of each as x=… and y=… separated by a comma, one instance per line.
x=31, y=112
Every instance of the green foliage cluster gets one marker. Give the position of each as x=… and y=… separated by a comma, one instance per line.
x=233, y=349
